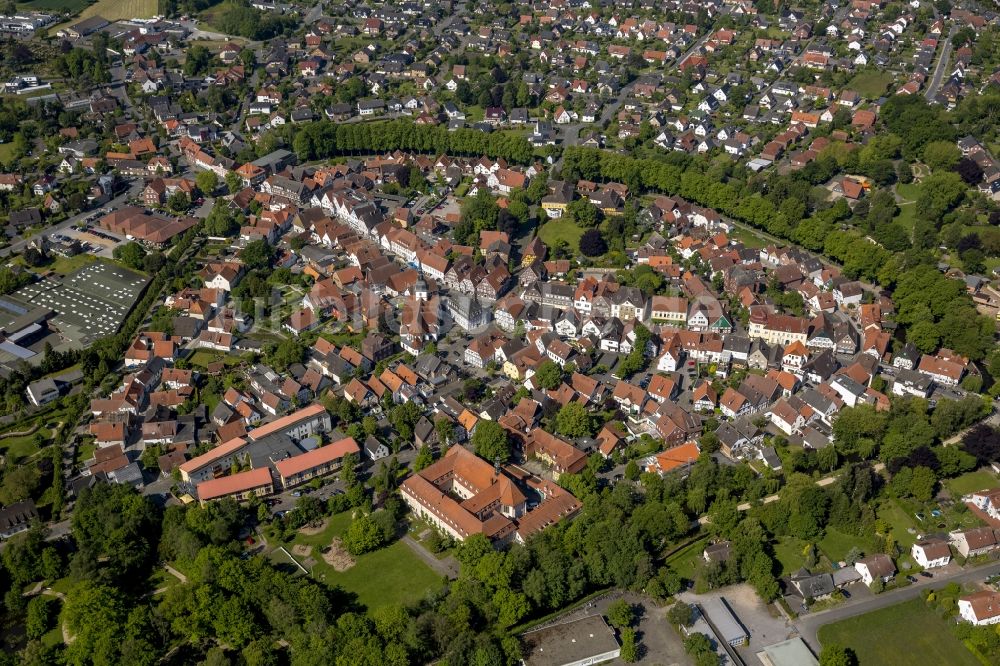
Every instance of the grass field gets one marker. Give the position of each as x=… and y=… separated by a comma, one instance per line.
x=112, y=10
x=908, y=633
x=870, y=85
x=971, y=482
x=54, y=5
x=561, y=229
x=390, y=575
x=66, y=265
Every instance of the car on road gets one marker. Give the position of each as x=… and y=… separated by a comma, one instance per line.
x=297, y=494
x=927, y=574
x=911, y=579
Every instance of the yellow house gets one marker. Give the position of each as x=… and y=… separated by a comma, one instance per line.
x=512, y=371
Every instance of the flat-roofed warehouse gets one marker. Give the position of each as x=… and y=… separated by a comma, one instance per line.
x=580, y=642
x=724, y=622
x=793, y=652
x=90, y=303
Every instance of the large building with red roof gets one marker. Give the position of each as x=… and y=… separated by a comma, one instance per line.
x=463, y=495
x=241, y=486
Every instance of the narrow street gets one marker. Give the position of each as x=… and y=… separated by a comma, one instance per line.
x=942, y=66
x=808, y=625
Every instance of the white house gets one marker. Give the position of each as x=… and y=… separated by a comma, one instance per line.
x=875, y=566
x=981, y=608
x=931, y=553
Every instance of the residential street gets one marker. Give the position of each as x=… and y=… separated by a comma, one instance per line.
x=942, y=66
x=808, y=625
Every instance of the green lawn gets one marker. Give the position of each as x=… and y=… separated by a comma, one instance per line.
x=900, y=522
x=391, y=575
x=908, y=633
x=835, y=544
x=907, y=215
x=685, y=562
x=789, y=552
x=203, y=357
x=21, y=447
x=971, y=482
x=561, y=229
x=748, y=238
x=909, y=191
x=871, y=85
x=66, y=265
x=6, y=152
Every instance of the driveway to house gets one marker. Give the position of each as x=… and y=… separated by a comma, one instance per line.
x=808, y=625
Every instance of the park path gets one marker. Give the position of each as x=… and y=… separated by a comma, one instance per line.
x=174, y=572
x=446, y=567
x=825, y=481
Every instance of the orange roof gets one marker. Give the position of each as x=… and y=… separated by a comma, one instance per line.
x=677, y=456
x=221, y=451
x=284, y=422
x=320, y=456
x=468, y=420
x=235, y=483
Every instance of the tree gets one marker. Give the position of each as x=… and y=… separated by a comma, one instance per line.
x=131, y=254
x=424, y=458
x=179, y=202
x=592, y=243
x=681, y=614
x=922, y=483
x=363, y=536
x=574, y=421
x=490, y=441
x=197, y=59
x=939, y=193
x=983, y=443
x=941, y=155
x=445, y=429
x=257, y=254
x=207, y=181
x=630, y=647
x=584, y=213
x=969, y=171
x=41, y=615
x=233, y=182
x=620, y=614
x=837, y=655
x=548, y=375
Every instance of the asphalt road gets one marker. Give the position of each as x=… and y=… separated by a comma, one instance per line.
x=808, y=625
x=942, y=66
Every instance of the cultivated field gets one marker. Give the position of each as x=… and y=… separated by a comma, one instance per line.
x=113, y=10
